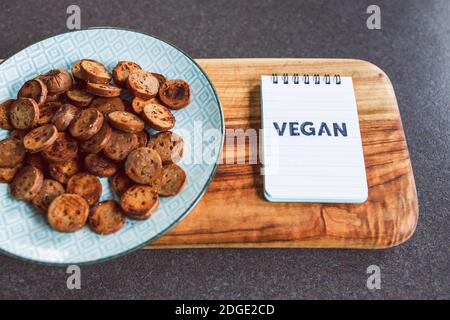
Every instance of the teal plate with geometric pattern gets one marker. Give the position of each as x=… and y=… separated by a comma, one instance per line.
x=24, y=233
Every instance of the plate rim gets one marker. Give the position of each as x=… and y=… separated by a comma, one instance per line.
x=197, y=199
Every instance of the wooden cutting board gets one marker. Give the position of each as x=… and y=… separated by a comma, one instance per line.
x=234, y=213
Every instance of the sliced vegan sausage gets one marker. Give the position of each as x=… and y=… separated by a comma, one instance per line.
x=34, y=89
x=98, y=141
x=121, y=182
x=27, y=183
x=103, y=90
x=86, y=124
x=57, y=81
x=63, y=149
x=120, y=145
x=143, y=84
x=47, y=111
x=64, y=116
x=122, y=70
x=126, y=121
x=4, y=114
x=158, y=117
x=94, y=72
x=175, y=94
x=139, y=200
x=62, y=171
x=143, y=165
x=12, y=152
x=169, y=145
x=68, y=212
x=49, y=191
x=40, y=138
x=24, y=113
x=107, y=217
x=100, y=165
x=86, y=185
x=79, y=97
x=173, y=180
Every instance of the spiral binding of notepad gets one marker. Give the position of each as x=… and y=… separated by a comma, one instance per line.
x=305, y=79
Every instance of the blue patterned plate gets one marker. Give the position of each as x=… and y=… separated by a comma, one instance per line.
x=24, y=233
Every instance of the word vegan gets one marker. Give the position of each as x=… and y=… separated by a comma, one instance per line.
x=309, y=129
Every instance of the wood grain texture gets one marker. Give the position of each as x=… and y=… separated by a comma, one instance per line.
x=234, y=213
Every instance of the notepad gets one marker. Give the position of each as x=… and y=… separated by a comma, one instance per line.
x=312, y=150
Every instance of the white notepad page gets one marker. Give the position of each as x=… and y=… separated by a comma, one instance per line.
x=302, y=160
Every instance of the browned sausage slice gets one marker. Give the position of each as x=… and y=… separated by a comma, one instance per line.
x=24, y=113
x=99, y=165
x=103, y=90
x=143, y=165
x=138, y=201
x=47, y=111
x=126, y=121
x=106, y=217
x=86, y=124
x=98, y=141
x=64, y=116
x=63, y=149
x=49, y=191
x=122, y=70
x=27, y=183
x=62, y=171
x=79, y=97
x=40, y=138
x=105, y=105
x=76, y=71
x=95, y=72
x=169, y=145
x=121, y=182
x=34, y=89
x=146, y=215
x=158, y=117
x=12, y=152
x=86, y=185
x=57, y=81
x=173, y=180
x=143, y=84
x=175, y=94
x=4, y=114
x=120, y=145
x=68, y=212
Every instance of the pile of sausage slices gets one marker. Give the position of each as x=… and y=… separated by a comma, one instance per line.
x=67, y=129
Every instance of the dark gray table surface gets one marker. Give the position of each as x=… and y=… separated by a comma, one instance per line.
x=413, y=48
